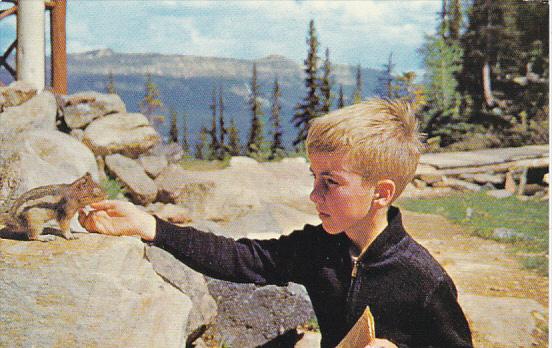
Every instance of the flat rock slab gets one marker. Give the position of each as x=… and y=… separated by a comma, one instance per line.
x=450, y=160
x=503, y=321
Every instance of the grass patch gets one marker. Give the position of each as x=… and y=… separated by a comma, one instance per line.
x=528, y=219
x=204, y=165
x=113, y=188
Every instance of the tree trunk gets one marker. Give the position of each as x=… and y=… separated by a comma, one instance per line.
x=487, y=90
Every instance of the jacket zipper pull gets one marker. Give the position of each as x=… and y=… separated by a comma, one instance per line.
x=355, y=269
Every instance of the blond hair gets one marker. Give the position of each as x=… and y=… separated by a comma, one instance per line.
x=379, y=136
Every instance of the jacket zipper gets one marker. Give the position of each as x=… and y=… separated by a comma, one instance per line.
x=351, y=294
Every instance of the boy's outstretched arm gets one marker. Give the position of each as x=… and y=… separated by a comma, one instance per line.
x=244, y=260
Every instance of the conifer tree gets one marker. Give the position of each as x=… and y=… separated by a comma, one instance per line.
x=173, y=132
x=256, y=136
x=277, y=148
x=308, y=109
x=357, y=96
x=234, y=146
x=110, y=87
x=326, y=84
x=223, y=148
x=386, y=88
x=200, y=145
x=214, y=144
x=185, y=135
x=151, y=102
x=341, y=99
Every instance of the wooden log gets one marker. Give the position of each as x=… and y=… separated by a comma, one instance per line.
x=497, y=168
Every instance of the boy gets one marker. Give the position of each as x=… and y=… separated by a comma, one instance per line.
x=362, y=157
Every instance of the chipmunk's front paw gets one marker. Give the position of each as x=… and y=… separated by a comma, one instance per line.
x=70, y=236
x=46, y=238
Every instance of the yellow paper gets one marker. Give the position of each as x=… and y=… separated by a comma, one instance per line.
x=362, y=333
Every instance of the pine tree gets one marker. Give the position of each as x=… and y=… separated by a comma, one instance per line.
x=223, y=148
x=151, y=103
x=277, y=148
x=326, y=84
x=234, y=146
x=214, y=144
x=110, y=87
x=386, y=88
x=173, y=132
x=200, y=145
x=185, y=135
x=256, y=136
x=341, y=99
x=357, y=96
x=308, y=108
x=442, y=59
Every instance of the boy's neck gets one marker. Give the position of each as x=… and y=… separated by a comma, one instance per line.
x=363, y=235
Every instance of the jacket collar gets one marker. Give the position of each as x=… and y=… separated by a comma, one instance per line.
x=389, y=237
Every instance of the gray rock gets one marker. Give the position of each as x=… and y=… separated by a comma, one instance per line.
x=38, y=112
x=190, y=282
x=546, y=178
x=172, y=152
x=129, y=134
x=153, y=165
x=96, y=291
x=141, y=188
x=82, y=108
x=508, y=234
x=499, y=193
x=250, y=316
x=15, y=94
x=495, y=179
x=170, y=212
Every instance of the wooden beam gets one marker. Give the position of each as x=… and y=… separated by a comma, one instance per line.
x=8, y=12
x=58, y=47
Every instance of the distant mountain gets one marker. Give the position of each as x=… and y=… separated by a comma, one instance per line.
x=186, y=83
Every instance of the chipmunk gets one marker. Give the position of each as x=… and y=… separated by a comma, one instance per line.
x=52, y=202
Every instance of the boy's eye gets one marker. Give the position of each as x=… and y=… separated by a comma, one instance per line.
x=331, y=181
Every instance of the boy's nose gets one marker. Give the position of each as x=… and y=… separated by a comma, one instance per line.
x=315, y=195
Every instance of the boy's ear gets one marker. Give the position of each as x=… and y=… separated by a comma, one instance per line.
x=384, y=191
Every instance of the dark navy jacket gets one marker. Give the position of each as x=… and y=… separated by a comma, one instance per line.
x=413, y=300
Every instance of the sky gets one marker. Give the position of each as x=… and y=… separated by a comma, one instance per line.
x=356, y=32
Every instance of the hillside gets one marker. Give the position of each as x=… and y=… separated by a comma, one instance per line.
x=186, y=83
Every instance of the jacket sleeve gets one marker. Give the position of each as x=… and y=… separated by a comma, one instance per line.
x=274, y=261
x=446, y=324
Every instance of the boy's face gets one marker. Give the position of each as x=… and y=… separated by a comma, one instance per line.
x=343, y=199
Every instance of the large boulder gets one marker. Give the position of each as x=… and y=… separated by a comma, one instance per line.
x=15, y=94
x=44, y=157
x=141, y=188
x=204, y=194
x=82, y=108
x=153, y=165
x=39, y=112
x=127, y=133
x=250, y=316
x=190, y=282
x=96, y=291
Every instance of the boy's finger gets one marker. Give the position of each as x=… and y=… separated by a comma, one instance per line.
x=103, y=205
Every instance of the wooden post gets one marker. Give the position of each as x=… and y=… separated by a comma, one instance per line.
x=58, y=43
x=30, y=43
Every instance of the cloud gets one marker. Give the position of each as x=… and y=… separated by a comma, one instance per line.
x=355, y=31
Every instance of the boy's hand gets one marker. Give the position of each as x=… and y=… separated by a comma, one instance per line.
x=381, y=343
x=118, y=218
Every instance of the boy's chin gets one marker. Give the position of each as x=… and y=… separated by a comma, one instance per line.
x=331, y=229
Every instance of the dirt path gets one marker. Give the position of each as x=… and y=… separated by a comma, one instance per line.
x=506, y=305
